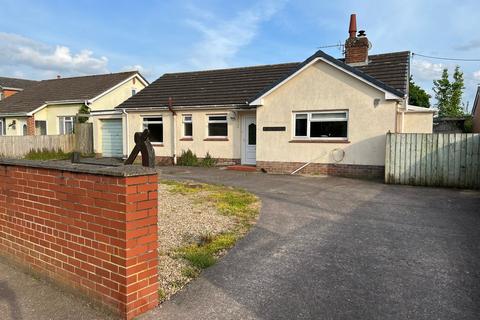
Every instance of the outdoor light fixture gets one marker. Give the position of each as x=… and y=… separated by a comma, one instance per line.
x=13, y=125
x=376, y=102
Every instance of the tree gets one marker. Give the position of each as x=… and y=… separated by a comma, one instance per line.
x=449, y=94
x=83, y=110
x=417, y=96
x=457, y=92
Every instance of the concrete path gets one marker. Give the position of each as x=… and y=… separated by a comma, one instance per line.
x=24, y=297
x=334, y=248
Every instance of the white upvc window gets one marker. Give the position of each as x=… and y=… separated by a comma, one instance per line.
x=218, y=126
x=187, y=125
x=321, y=125
x=154, y=124
x=66, y=125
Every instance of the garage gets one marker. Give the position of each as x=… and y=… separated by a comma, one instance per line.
x=112, y=138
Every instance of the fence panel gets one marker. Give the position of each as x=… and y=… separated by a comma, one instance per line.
x=19, y=146
x=84, y=137
x=438, y=159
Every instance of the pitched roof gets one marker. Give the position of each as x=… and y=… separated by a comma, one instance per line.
x=16, y=83
x=64, y=89
x=239, y=86
x=213, y=87
x=390, y=68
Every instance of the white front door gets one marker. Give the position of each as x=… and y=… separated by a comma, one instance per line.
x=249, y=140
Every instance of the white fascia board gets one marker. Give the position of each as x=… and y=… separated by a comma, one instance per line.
x=52, y=103
x=118, y=85
x=106, y=112
x=31, y=113
x=388, y=95
x=11, y=88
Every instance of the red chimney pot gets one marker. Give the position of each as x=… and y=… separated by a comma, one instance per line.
x=352, y=30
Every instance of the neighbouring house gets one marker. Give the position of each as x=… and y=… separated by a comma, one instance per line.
x=49, y=107
x=10, y=86
x=476, y=112
x=332, y=113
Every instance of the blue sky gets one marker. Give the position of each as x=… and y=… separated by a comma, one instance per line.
x=40, y=39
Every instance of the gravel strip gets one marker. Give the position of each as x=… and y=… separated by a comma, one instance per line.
x=183, y=219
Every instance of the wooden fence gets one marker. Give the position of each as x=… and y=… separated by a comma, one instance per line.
x=84, y=137
x=19, y=146
x=439, y=159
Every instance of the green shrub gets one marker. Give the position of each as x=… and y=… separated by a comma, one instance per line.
x=187, y=158
x=46, y=154
x=208, y=161
x=468, y=125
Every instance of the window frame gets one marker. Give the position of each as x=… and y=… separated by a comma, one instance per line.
x=3, y=129
x=61, y=125
x=154, y=122
x=46, y=127
x=184, y=122
x=133, y=91
x=217, y=121
x=309, y=121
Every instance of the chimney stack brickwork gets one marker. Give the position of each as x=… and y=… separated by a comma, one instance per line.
x=31, y=126
x=356, y=48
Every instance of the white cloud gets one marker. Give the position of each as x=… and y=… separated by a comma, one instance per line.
x=24, y=52
x=426, y=70
x=223, y=38
x=476, y=75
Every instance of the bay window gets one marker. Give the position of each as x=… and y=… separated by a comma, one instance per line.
x=217, y=126
x=155, y=127
x=321, y=125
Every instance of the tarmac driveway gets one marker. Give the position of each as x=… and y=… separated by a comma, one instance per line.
x=334, y=248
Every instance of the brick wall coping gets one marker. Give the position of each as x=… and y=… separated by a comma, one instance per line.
x=117, y=171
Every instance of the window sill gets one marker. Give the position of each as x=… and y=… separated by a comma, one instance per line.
x=215, y=139
x=319, y=141
x=157, y=144
x=186, y=139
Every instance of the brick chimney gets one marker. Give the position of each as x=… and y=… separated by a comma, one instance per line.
x=356, y=46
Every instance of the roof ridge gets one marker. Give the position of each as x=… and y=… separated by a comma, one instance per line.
x=93, y=75
x=22, y=79
x=234, y=68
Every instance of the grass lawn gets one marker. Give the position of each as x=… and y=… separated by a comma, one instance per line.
x=198, y=223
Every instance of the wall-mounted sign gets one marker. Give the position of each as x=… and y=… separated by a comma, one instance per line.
x=274, y=128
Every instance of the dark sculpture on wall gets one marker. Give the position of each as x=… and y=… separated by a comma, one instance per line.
x=143, y=146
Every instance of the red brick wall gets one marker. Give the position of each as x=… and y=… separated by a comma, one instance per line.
x=342, y=170
x=97, y=234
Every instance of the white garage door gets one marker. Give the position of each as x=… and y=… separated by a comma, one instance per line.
x=112, y=138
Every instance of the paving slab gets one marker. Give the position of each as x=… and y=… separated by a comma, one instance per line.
x=25, y=297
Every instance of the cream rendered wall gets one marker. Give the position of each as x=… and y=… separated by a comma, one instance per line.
x=18, y=131
x=52, y=112
x=322, y=87
x=218, y=149
x=418, y=122
x=117, y=96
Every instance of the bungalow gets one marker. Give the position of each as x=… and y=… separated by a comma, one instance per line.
x=49, y=107
x=10, y=86
x=332, y=114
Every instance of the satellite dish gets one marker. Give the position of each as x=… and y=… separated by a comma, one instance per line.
x=369, y=45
